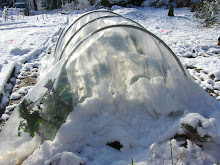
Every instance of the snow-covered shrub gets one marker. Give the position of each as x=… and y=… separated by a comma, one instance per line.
x=173, y=153
x=183, y=3
x=147, y=3
x=185, y=147
x=209, y=10
x=189, y=154
x=166, y=3
x=110, y=3
x=105, y=3
x=186, y=3
x=155, y=3
x=77, y=5
x=92, y=2
x=196, y=128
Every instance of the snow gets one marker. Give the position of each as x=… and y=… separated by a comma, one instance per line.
x=5, y=117
x=24, y=90
x=207, y=126
x=106, y=118
x=6, y=69
x=66, y=158
x=143, y=121
x=25, y=38
x=11, y=107
x=15, y=96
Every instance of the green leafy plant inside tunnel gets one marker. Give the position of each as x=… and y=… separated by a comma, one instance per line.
x=45, y=116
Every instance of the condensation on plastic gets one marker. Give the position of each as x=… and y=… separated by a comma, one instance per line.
x=103, y=45
x=101, y=50
x=73, y=27
x=88, y=29
x=85, y=25
x=122, y=54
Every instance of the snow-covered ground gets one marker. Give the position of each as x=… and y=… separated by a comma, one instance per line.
x=28, y=39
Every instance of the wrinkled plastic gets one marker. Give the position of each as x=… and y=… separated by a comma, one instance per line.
x=99, y=48
x=84, y=26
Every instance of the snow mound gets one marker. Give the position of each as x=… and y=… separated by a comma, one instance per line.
x=15, y=96
x=131, y=120
x=18, y=51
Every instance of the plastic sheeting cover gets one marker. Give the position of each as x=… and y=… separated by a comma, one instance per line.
x=120, y=53
x=74, y=26
x=85, y=25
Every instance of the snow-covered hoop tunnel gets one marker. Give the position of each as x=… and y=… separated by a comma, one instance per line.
x=99, y=46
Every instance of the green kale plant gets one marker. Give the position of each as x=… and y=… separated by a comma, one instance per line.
x=31, y=118
x=45, y=116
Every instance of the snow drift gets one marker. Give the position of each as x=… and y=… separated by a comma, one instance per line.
x=112, y=81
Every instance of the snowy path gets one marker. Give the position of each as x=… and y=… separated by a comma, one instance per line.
x=20, y=39
x=24, y=39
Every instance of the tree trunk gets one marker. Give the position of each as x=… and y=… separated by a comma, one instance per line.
x=171, y=11
x=35, y=4
x=54, y=4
